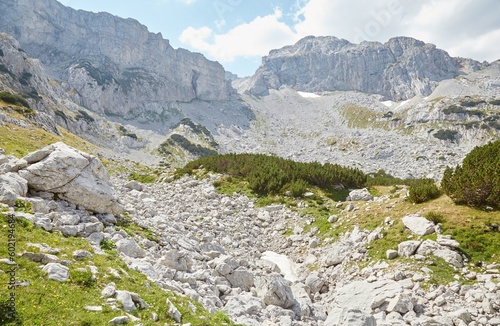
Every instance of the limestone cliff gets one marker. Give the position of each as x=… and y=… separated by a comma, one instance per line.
x=399, y=69
x=113, y=65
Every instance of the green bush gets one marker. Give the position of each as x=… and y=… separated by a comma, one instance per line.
x=423, y=190
x=434, y=217
x=274, y=175
x=82, y=278
x=446, y=135
x=15, y=99
x=477, y=181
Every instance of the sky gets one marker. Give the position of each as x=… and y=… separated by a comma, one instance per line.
x=238, y=33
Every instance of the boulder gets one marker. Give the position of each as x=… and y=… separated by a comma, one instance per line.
x=275, y=290
x=74, y=176
x=56, y=272
x=337, y=254
x=418, y=224
x=349, y=317
x=176, y=259
x=12, y=186
x=359, y=195
x=408, y=248
x=130, y=248
x=243, y=304
x=126, y=299
x=241, y=278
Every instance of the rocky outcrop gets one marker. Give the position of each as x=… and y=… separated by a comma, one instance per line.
x=113, y=65
x=398, y=70
x=73, y=176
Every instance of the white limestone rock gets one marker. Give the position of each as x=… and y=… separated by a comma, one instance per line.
x=275, y=290
x=75, y=176
x=130, y=248
x=56, y=272
x=418, y=224
x=12, y=186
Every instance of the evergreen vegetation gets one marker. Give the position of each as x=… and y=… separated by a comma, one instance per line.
x=423, y=190
x=14, y=99
x=477, y=181
x=271, y=175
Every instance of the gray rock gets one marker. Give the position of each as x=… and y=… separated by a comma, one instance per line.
x=81, y=254
x=451, y=257
x=130, y=248
x=408, y=248
x=360, y=195
x=173, y=312
x=75, y=176
x=315, y=283
x=121, y=320
x=349, y=317
x=243, y=304
x=56, y=272
x=12, y=186
x=108, y=291
x=400, y=304
x=391, y=254
x=241, y=278
x=446, y=240
x=363, y=295
x=337, y=254
x=126, y=299
x=418, y=224
x=177, y=260
x=275, y=290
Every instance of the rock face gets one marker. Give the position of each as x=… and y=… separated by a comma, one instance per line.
x=75, y=176
x=112, y=63
x=398, y=70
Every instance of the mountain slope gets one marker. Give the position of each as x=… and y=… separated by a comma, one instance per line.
x=114, y=65
x=398, y=69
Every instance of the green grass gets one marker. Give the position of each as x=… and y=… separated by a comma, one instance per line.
x=46, y=302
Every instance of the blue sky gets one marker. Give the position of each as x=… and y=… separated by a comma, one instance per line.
x=237, y=33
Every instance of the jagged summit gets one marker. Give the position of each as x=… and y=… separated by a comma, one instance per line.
x=399, y=69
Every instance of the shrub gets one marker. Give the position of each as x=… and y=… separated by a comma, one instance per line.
x=434, y=217
x=14, y=99
x=446, y=135
x=107, y=244
x=423, y=190
x=82, y=277
x=273, y=175
x=477, y=181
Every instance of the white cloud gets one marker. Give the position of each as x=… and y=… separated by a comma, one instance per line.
x=465, y=28
x=247, y=40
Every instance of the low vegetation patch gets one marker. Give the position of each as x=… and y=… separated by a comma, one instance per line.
x=423, y=190
x=14, y=99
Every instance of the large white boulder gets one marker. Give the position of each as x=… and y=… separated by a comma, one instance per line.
x=75, y=176
x=360, y=195
x=418, y=224
x=12, y=186
x=275, y=290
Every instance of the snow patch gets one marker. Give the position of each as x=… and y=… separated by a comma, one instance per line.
x=286, y=266
x=387, y=103
x=308, y=95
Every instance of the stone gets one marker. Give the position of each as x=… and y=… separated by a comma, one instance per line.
x=363, y=295
x=336, y=254
x=93, y=308
x=120, y=320
x=126, y=299
x=315, y=283
x=130, y=248
x=243, y=304
x=81, y=254
x=418, y=224
x=333, y=218
x=12, y=186
x=275, y=290
x=391, y=254
x=408, y=248
x=241, y=278
x=56, y=272
x=450, y=256
x=349, y=317
x=447, y=241
x=177, y=260
x=400, y=304
x=74, y=176
x=173, y=312
x=360, y=195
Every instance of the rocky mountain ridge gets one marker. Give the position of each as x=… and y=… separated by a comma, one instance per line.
x=397, y=70
x=112, y=65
